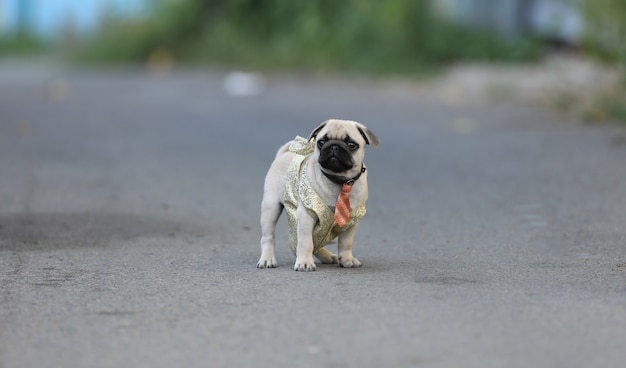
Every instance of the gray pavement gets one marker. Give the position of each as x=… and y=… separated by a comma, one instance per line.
x=129, y=205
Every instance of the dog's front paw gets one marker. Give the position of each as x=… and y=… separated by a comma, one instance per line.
x=266, y=262
x=349, y=262
x=305, y=265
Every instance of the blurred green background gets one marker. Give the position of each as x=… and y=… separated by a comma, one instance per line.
x=365, y=35
x=400, y=37
x=362, y=35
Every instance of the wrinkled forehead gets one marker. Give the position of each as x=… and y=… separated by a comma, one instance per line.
x=340, y=131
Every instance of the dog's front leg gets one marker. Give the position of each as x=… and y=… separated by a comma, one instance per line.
x=346, y=239
x=304, y=250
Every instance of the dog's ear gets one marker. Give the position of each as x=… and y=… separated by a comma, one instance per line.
x=317, y=130
x=370, y=138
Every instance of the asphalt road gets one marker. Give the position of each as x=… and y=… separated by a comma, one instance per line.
x=129, y=233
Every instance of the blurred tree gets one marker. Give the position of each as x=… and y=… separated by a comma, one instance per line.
x=606, y=26
x=371, y=35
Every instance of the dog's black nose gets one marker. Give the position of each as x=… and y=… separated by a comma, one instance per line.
x=334, y=148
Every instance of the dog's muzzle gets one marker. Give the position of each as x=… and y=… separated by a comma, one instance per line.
x=335, y=156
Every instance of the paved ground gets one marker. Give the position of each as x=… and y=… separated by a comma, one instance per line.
x=129, y=204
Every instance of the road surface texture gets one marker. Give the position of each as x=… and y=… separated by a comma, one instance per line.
x=129, y=228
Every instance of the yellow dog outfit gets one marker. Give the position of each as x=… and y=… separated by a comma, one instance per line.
x=298, y=189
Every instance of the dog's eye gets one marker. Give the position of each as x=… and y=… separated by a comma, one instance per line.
x=320, y=143
x=352, y=145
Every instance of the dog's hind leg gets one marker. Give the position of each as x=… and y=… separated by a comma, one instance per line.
x=326, y=257
x=270, y=212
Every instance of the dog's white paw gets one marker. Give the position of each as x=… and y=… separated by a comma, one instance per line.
x=266, y=263
x=305, y=265
x=349, y=262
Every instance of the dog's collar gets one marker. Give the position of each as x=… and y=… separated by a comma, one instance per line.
x=341, y=180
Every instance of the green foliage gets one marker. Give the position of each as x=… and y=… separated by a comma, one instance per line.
x=20, y=44
x=604, y=37
x=606, y=27
x=367, y=35
x=171, y=26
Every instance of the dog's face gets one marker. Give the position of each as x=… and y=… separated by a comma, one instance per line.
x=340, y=145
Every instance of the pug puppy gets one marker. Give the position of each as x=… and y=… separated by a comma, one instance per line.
x=317, y=180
